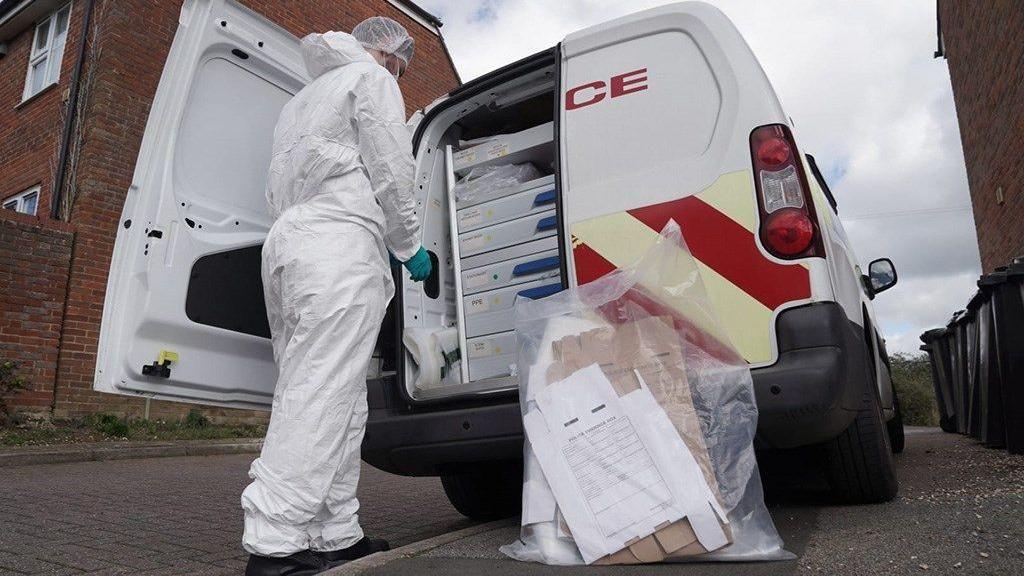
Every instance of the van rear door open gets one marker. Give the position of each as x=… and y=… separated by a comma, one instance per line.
x=184, y=317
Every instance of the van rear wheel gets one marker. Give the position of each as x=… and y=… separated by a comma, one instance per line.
x=859, y=462
x=486, y=490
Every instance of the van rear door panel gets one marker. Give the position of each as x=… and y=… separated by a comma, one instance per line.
x=656, y=114
x=185, y=282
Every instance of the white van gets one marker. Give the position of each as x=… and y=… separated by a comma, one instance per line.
x=664, y=114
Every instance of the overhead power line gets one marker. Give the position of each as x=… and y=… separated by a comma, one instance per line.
x=909, y=212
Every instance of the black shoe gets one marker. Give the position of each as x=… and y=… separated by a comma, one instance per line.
x=302, y=563
x=364, y=547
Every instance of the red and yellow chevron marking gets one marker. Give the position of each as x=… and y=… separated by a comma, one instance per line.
x=718, y=224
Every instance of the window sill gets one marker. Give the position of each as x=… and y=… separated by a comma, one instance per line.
x=37, y=95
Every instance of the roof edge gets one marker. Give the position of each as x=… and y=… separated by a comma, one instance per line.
x=421, y=12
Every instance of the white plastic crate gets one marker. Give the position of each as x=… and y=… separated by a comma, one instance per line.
x=491, y=356
x=525, y=203
x=509, y=272
x=495, y=193
x=509, y=233
x=531, y=145
x=492, y=311
x=516, y=251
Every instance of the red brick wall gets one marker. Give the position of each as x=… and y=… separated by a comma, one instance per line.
x=127, y=72
x=30, y=130
x=984, y=45
x=34, y=259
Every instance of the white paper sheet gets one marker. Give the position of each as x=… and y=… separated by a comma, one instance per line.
x=538, y=501
x=616, y=465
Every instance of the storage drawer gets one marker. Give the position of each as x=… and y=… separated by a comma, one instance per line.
x=510, y=272
x=491, y=356
x=492, y=311
x=497, y=192
x=500, y=255
x=518, y=205
x=508, y=233
x=531, y=145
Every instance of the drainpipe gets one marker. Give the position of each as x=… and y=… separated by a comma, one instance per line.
x=76, y=76
x=58, y=187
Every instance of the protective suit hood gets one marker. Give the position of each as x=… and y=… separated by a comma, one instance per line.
x=330, y=50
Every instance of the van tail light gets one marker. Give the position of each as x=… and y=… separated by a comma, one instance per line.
x=789, y=225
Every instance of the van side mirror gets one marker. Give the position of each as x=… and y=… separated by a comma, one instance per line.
x=881, y=275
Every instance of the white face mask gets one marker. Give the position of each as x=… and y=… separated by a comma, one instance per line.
x=393, y=65
x=390, y=63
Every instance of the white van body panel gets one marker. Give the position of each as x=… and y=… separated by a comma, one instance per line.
x=203, y=160
x=683, y=131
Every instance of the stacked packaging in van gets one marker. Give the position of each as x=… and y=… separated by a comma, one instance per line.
x=505, y=227
x=640, y=419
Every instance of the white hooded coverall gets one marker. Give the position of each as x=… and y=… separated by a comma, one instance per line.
x=340, y=188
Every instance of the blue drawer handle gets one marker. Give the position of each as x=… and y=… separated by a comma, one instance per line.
x=536, y=266
x=548, y=223
x=544, y=198
x=541, y=291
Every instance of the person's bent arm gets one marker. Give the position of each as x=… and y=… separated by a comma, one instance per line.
x=386, y=151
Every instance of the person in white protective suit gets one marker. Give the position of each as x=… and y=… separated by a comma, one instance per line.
x=340, y=188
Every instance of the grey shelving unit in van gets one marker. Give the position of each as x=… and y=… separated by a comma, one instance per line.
x=504, y=243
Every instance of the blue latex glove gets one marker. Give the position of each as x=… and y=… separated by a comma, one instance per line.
x=419, y=265
x=393, y=261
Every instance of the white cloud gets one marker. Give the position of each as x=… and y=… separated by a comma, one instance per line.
x=867, y=98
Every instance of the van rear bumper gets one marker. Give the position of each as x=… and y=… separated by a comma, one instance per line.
x=814, y=389
x=808, y=396
x=421, y=444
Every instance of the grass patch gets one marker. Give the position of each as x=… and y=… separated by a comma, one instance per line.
x=912, y=378
x=104, y=427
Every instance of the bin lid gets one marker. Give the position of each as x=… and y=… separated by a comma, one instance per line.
x=987, y=281
x=957, y=316
x=932, y=335
x=1016, y=269
x=976, y=301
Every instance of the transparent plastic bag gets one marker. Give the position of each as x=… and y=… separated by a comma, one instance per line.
x=490, y=179
x=654, y=320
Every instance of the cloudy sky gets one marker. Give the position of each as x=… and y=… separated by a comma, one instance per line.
x=868, y=100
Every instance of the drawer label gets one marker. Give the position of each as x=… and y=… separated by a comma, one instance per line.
x=475, y=242
x=497, y=151
x=479, y=278
x=470, y=216
x=478, y=304
x=465, y=156
x=481, y=348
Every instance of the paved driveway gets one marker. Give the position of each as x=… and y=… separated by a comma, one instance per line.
x=172, y=515
x=960, y=511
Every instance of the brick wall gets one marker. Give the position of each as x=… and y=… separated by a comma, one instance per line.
x=133, y=40
x=34, y=259
x=984, y=45
x=127, y=72
x=30, y=130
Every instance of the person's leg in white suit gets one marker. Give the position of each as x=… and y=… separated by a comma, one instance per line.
x=325, y=294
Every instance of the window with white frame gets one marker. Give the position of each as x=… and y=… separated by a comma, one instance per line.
x=47, y=51
x=26, y=202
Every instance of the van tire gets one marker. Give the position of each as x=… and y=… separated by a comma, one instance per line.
x=897, y=439
x=486, y=490
x=859, y=462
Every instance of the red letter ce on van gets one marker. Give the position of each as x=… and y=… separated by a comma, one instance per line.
x=594, y=92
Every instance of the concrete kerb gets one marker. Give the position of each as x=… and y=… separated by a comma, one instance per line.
x=125, y=450
x=415, y=549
